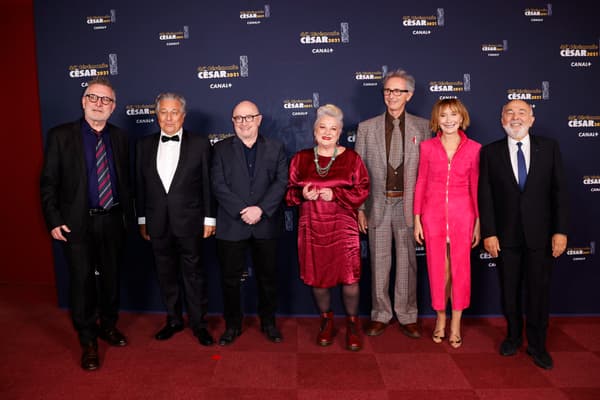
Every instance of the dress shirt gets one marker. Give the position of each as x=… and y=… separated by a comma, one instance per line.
x=167, y=158
x=512, y=150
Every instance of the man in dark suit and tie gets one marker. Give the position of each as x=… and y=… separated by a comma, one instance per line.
x=175, y=212
x=85, y=195
x=523, y=211
x=249, y=177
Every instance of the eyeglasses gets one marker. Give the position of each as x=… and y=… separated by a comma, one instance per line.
x=395, y=92
x=246, y=118
x=103, y=99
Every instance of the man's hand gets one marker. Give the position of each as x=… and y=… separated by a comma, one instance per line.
x=362, y=222
x=559, y=244
x=251, y=215
x=209, y=230
x=144, y=232
x=57, y=233
x=492, y=245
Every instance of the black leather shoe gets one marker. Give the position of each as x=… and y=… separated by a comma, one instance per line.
x=541, y=358
x=272, y=333
x=113, y=337
x=168, y=331
x=229, y=336
x=89, y=356
x=204, y=337
x=509, y=347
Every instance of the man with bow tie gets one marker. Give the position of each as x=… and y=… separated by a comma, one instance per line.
x=175, y=212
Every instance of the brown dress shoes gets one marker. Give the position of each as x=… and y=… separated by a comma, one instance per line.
x=375, y=328
x=411, y=330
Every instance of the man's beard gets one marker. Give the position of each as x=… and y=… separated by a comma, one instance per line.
x=516, y=133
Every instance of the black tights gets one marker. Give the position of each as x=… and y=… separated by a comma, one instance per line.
x=350, y=297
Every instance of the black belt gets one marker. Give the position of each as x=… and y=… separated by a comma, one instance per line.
x=94, y=212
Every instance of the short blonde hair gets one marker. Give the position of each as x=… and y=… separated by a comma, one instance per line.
x=454, y=105
x=329, y=110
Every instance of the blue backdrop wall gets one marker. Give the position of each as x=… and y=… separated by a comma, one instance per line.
x=291, y=57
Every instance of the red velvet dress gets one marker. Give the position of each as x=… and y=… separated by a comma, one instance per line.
x=328, y=239
x=446, y=199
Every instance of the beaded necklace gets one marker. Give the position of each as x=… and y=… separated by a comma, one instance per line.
x=324, y=171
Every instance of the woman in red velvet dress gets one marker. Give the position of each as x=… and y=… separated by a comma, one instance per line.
x=328, y=183
x=446, y=213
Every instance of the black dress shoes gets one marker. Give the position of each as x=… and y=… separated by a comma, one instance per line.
x=168, y=331
x=509, y=347
x=89, y=356
x=113, y=337
x=229, y=336
x=541, y=358
x=272, y=333
x=204, y=337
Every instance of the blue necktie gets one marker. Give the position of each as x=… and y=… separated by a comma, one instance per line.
x=521, y=167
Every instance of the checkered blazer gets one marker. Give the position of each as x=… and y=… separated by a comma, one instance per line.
x=370, y=145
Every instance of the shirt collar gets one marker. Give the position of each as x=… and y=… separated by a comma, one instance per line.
x=513, y=143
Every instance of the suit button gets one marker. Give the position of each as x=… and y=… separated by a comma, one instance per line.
x=395, y=172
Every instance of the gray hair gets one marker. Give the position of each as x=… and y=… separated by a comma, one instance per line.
x=330, y=110
x=400, y=73
x=170, y=96
x=100, y=80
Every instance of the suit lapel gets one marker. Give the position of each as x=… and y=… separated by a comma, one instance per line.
x=506, y=164
x=534, y=154
x=380, y=139
x=79, y=154
x=240, y=157
x=183, y=155
x=117, y=153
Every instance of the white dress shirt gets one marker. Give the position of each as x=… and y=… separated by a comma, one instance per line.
x=512, y=150
x=167, y=158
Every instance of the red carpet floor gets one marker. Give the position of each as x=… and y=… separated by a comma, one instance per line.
x=39, y=359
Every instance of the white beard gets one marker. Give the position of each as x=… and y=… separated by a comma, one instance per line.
x=516, y=133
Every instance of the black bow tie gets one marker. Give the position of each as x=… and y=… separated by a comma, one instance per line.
x=165, y=138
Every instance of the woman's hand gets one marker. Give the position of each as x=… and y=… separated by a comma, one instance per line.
x=418, y=232
x=326, y=194
x=476, y=234
x=309, y=192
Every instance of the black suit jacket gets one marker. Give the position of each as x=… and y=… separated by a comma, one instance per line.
x=234, y=189
x=532, y=216
x=189, y=200
x=63, y=182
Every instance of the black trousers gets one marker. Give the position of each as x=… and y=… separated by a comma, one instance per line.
x=179, y=259
x=232, y=258
x=530, y=269
x=94, y=259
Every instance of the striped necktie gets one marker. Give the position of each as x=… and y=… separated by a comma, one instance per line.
x=105, y=194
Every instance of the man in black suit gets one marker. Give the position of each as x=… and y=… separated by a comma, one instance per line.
x=249, y=177
x=523, y=208
x=175, y=212
x=85, y=195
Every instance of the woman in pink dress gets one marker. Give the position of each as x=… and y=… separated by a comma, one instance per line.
x=328, y=183
x=446, y=213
